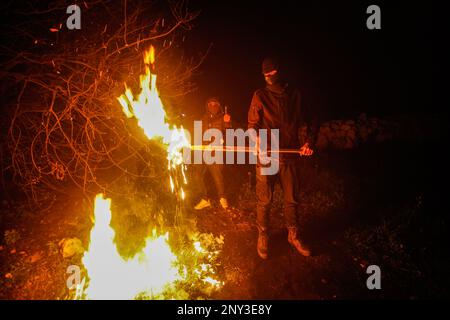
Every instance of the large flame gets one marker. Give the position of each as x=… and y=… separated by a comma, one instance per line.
x=156, y=269
x=154, y=272
x=150, y=271
x=148, y=109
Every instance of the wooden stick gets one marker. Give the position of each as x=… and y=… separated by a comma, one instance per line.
x=238, y=149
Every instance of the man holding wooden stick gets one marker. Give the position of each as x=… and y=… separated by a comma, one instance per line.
x=278, y=106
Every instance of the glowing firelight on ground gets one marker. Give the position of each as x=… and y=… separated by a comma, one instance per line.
x=156, y=269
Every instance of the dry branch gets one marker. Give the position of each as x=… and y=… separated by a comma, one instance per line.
x=66, y=129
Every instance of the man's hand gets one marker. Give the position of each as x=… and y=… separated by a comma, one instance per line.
x=305, y=150
x=226, y=117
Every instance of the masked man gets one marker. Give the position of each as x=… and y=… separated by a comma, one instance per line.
x=278, y=106
x=217, y=119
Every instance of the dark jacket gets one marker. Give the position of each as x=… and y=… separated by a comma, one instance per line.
x=283, y=108
x=210, y=120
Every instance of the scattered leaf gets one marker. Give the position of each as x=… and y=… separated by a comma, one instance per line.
x=35, y=257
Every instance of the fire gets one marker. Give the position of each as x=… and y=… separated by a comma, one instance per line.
x=112, y=277
x=148, y=109
x=156, y=271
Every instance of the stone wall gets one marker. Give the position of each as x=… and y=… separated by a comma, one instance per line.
x=348, y=134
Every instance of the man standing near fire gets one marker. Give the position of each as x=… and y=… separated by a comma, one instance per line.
x=278, y=106
x=214, y=117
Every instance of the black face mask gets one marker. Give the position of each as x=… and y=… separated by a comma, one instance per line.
x=273, y=79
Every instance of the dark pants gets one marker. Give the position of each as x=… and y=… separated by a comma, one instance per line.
x=216, y=172
x=288, y=177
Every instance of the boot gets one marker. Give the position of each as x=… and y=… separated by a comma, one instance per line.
x=263, y=241
x=295, y=242
x=202, y=204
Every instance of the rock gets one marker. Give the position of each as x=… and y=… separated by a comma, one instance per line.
x=70, y=247
x=350, y=123
x=325, y=128
x=346, y=127
x=335, y=125
x=322, y=141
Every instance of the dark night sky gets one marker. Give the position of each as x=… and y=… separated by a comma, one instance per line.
x=342, y=67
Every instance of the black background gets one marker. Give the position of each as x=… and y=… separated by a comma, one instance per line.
x=342, y=67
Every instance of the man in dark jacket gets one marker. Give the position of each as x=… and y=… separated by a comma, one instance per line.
x=278, y=106
x=214, y=118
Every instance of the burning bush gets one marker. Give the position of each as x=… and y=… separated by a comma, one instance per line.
x=66, y=128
